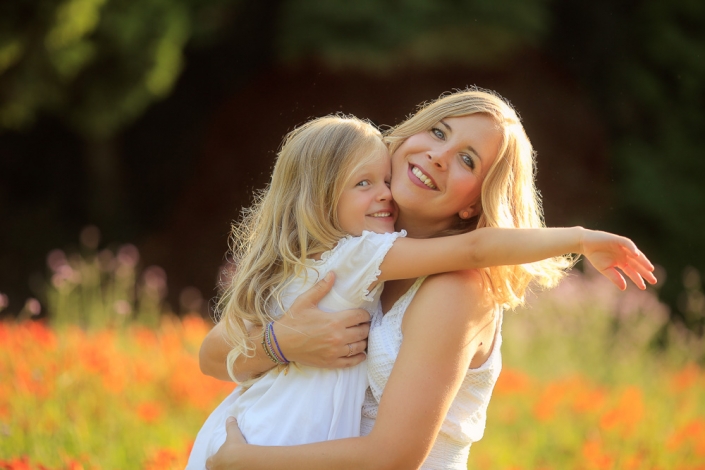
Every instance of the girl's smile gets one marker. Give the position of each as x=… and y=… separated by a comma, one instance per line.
x=366, y=202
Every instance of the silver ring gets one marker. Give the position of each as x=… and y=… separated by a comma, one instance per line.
x=349, y=350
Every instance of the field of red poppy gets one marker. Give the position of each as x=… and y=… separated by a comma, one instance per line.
x=584, y=387
x=111, y=399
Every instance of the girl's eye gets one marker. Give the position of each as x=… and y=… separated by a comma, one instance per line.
x=363, y=183
x=467, y=159
x=388, y=183
x=438, y=133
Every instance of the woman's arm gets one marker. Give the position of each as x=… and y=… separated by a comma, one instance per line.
x=306, y=334
x=434, y=357
x=410, y=258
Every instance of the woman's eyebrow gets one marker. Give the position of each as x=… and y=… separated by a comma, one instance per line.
x=469, y=148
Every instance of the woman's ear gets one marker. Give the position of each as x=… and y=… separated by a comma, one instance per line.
x=468, y=212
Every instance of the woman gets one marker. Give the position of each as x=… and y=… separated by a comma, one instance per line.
x=461, y=162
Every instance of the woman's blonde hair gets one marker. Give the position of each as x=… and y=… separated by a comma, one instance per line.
x=294, y=218
x=508, y=197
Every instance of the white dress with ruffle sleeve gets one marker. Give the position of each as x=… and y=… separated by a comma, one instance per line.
x=307, y=404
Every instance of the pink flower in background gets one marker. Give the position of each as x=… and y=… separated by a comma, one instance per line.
x=122, y=307
x=33, y=306
x=128, y=255
x=155, y=281
x=56, y=260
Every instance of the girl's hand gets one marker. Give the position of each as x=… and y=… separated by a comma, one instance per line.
x=227, y=455
x=609, y=253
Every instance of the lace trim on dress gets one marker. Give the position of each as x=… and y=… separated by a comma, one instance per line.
x=381, y=253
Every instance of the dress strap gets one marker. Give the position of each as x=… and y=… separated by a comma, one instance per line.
x=403, y=302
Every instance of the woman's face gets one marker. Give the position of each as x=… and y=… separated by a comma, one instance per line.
x=437, y=174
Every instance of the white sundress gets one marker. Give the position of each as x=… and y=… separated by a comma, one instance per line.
x=307, y=404
x=465, y=421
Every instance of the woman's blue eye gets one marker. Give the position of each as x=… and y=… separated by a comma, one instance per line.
x=467, y=159
x=438, y=133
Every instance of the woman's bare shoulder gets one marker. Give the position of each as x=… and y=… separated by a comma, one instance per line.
x=457, y=299
x=456, y=302
x=465, y=286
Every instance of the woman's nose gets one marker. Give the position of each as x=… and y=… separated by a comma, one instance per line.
x=439, y=158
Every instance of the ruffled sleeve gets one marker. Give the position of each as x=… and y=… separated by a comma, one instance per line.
x=356, y=261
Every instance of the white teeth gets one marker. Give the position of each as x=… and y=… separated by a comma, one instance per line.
x=424, y=179
x=381, y=214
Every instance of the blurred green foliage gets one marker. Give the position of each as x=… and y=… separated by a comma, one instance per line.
x=644, y=64
x=377, y=34
x=96, y=64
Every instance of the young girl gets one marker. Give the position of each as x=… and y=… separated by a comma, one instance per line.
x=329, y=208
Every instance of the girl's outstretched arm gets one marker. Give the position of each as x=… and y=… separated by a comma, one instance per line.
x=485, y=247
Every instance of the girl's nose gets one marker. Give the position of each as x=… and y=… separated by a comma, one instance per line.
x=385, y=194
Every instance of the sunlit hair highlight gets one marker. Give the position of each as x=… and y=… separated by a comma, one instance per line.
x=291, y=220
x=508, y=197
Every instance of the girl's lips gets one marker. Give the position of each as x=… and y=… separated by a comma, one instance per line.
x=414, y=179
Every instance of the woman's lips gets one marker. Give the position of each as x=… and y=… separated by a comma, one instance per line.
x=417, y=181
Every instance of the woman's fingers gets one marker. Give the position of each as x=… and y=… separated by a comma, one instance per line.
x=314, y=295
x=356, y=333
x=233, y=438
x=353, y=349
x=233, y=431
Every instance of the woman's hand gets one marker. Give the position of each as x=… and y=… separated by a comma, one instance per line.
x=310, y=336
x=608, y=253
x=227, y=455
x=306, y=335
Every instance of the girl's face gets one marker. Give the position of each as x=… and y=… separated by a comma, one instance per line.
x=438, y=173
x=366, y=201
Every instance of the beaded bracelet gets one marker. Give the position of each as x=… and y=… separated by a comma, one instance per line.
x=269, y=349
x=276, y=343
x=269, y=354
x=266, y=345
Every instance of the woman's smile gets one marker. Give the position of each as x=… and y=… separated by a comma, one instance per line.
x=421, y=178
x=438, y=173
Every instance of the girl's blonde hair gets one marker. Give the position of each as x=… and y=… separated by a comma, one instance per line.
x=508, y=197
x=294, y=218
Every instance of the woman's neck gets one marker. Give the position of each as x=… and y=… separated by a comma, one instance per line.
x=417, y=228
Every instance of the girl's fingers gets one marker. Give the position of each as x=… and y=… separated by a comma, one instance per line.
x=634, y=276
x=645, y=269
x=648, y=276
x=630, y=247
x=617, y=279
x=644, y=261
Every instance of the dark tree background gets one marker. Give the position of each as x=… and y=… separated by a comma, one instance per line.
x=155, y=119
